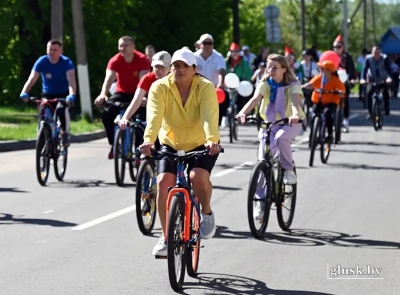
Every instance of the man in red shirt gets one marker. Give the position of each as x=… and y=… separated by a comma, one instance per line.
x=127, y=67
x=160, y=62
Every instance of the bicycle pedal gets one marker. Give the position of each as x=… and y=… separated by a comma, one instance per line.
x=160, y=257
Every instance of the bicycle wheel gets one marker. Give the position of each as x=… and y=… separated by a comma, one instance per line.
x=375, y=113
x=260, y=182
x=287, y=191
x=325, y=147
x=146, y=195
x=338, y=129
x=43, y=154
x=176, y=248
x=230, y=122
x=305, y=120
x=314, y=139
x=134, y=161
x=61, y=152
x=234, y=123
x=193, y=251
x=119, y=168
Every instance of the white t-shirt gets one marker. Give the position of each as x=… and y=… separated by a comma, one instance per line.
x=209, y=68
x=310, y=69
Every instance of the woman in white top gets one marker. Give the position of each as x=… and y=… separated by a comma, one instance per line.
x=310, y=67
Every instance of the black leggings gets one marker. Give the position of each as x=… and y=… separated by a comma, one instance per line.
x=60, y=108
x=329, y=112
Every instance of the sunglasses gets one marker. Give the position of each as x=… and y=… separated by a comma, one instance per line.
x=208, y=43
x=338, y=47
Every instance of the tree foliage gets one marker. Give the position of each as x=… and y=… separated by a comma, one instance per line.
x=168, y=25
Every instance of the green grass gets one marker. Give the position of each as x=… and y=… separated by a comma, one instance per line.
x=21, y=124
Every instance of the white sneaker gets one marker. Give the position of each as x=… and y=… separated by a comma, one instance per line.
x=258, y=210
x=207, y=226
x=290, y=177
x=161, y=248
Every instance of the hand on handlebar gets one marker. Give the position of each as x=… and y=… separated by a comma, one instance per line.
x=123, y=123
x=213, y=148
x=294, y=119
x=362, y=82
x=100, y=100
x=145, y=148
x=241, y=118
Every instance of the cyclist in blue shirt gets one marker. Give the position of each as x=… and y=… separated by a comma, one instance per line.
x=58, y=81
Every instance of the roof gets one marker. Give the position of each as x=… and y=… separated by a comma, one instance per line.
x=395, y=30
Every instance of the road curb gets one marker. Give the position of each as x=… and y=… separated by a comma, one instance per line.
x=15, y=145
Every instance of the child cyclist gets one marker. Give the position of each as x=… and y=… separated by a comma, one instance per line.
x=327, y=80
x=281, y=96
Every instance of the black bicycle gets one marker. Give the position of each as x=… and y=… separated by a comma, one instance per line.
x=49, y=143
x=378, y=105
x=231, y=113
x=267, y=178
x=319, y=131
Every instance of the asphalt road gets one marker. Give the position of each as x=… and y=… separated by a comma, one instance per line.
x=81, y=236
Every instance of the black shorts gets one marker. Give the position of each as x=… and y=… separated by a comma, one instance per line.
x=166, y=165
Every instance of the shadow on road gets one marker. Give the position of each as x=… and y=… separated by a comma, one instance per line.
x=11, y=190
x=84, y=183
x=9, y=219
x=215, y=283
x=311, y=237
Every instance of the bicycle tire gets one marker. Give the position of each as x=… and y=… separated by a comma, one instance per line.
x=260, y=167
x=175, y=282
x=42, y=140
x=59, y=148
x=279, y=213
x=314, y=139
x=375, y=113
x=132, y=163
x=230, y=122
x=338, y=127
x=119, y=171
x=324, y=146
x=138, y=198
x=192, y=252
x=234, y=123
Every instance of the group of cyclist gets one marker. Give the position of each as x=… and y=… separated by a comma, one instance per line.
x=176, y=97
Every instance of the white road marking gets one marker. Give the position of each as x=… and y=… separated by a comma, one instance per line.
x=48, y=211
x=104, y=218
x=233, y=169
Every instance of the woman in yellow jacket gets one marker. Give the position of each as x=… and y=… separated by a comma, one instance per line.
x=182, y=109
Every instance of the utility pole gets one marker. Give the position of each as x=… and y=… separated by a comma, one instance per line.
x=303, y=24
x=365, y=24
x=236, y=28
x=57, y=20
x=345, y=27
x=82, y=66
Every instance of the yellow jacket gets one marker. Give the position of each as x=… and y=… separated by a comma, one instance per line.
x=182, y=128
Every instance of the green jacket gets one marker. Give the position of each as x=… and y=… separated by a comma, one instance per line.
x=242, y=70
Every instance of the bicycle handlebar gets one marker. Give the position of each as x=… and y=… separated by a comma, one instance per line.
x=267, y=125
x=35, y=99
x=179, y=155
x=337, y=92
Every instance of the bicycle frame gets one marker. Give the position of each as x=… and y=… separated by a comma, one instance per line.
x=182, y=188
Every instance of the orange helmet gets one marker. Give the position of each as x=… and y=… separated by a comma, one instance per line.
x=327, y=64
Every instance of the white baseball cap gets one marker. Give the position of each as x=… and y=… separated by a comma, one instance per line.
x=245, y=47
x=185, y=55
x=161, y=58
x=205, y=37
